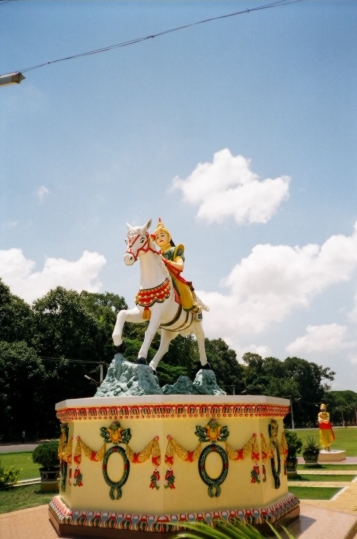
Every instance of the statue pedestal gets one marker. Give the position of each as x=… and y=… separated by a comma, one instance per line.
x=138, y=465
x=335, y=455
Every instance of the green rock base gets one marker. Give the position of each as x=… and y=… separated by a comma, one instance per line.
x=126, y=379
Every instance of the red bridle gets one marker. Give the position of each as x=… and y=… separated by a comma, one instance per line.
x=145, y=246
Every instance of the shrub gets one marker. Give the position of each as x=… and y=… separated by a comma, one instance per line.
x=311, y=446
x=46, y=455
x=9, y=475
x=294, y=444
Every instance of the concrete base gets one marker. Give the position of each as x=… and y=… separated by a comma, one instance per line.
x=314, y=523
x=49, y=486
x=191, y=458
x=108, y=533
x=335, y=455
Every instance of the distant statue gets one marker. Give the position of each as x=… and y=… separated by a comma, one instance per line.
x=327, y=435
x=164, y=298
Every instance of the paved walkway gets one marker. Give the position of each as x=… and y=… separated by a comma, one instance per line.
x=27, y=524
x=347, y=460
x=317, y=483
x=326, y=472
x=345, y=501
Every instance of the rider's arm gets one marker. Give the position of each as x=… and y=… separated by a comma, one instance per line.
x=178, y=264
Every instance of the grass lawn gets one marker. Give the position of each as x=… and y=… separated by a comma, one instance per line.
x=328, y=478
x=17, y=498
x=322, y=467
x=346, y=438
x=314, y=493
x=29, y=470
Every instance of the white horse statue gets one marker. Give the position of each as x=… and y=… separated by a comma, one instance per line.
x=157, y=299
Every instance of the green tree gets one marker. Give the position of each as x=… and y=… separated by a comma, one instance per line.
x=295, y=378
x=65, y=328
x=104, y=309
x=22, y=385
x=223, y=360
x=310, y=379
x=342, y=406
x=72, y=326
x=16, y=319
x=256, y=379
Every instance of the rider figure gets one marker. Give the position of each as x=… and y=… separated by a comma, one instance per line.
x=173, y=257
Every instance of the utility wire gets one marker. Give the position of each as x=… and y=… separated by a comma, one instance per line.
x=275, y=4
x=72, y=360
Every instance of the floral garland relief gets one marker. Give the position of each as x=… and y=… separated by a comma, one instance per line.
x=212, y=433
x=62, y=454
x=274, y=451
x=116, y=435
x=251, y=449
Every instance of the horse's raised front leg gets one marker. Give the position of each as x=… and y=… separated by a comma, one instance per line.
x=132, y=315
x=166, y=338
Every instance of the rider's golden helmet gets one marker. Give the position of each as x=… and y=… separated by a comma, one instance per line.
x=160, y=228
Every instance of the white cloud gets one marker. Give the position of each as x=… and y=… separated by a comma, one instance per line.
x=42, y=193
x=9, y=224
x=353, y=313
x=17, y=272
x=329, y=339
x=272, y=281
x=261, y=350
x=228, y=188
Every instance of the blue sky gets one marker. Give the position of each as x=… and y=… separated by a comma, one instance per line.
x=155, y=130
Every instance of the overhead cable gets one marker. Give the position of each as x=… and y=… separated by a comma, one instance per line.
x=72, y=360
x=271, y=5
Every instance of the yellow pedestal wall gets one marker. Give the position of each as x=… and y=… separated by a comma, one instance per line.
x=174, y=416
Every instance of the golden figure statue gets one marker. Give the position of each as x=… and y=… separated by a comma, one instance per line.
x=327, y=435
x=173, y=257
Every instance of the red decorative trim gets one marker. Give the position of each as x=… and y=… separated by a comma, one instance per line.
x=145, y=247
x=148, y=296
x=148, y=411
x=163, y=523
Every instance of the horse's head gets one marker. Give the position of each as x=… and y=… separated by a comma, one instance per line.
x=138, y=241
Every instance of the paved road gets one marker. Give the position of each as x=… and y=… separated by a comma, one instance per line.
x=17, y=448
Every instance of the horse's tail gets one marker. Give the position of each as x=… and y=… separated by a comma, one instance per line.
x=200, y=303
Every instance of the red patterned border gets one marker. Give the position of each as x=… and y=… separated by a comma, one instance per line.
x=164, y=523
x=101, y=413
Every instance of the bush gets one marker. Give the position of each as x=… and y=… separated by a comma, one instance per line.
x=8, y=476
x=46, y=455
x=294, y=444
x=311, y=446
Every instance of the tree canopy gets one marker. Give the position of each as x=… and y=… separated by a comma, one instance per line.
x=302, y=381
x=342, y=407
x=16, y=317
x=47, y=348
